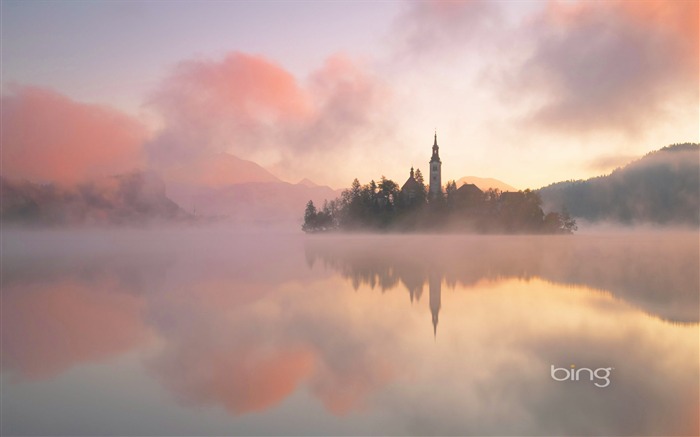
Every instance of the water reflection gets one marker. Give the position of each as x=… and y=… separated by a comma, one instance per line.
x=252, y=324
x=435, y=284
x=656, y=272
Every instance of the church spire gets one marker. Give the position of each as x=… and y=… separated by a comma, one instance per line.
x=435, y=170
x=436, y=150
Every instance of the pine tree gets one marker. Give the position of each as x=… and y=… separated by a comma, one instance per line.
x=451, y=191
x=310, y=216
x=419, y=177
x=355, y=189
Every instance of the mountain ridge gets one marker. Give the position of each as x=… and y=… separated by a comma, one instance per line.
x=130, y=198
x=485, y=183
x=662, y=187
x=216, y=170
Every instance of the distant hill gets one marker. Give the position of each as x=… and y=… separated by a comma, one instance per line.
x=217, y=170
x=226, y=188
x=485, y=183
x=307, y=183
x=132, y=198
x=258, y=203
x=663, y=187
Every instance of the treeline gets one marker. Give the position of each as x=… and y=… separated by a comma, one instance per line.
x=135, y=198
x=384, y=206
x=663, y=188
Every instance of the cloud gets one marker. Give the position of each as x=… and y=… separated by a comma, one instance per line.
x=49, y=327
x=49, y=137
x=429, y=27
x=610, y=65
x=586, y=66
x=241, y=376
x=605, y=163
x=274, y=345
x=581, y=67
x=255, y=109
x=242, y=104
x=351, y=118
x=235, y=104
x=347, y=98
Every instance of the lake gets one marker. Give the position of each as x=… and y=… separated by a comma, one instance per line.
x=222, y=332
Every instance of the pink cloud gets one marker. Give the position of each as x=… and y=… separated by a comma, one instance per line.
x=578, y=66
x=236, y=104
x=49, y=137
x=242, y=104
x=272, y=347
x=242, y=86
x=611, y=65
x=241, y=377
x=347, y=96
x=49, y=327
x=255, y=109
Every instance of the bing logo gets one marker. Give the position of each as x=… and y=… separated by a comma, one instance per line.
x=601, y=375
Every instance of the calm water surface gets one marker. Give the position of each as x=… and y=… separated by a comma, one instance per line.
x=210, y=332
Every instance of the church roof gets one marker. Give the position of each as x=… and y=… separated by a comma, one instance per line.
x=469, y=189
x=411, y=184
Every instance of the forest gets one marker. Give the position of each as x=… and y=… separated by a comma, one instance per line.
x=385, y=207
x=661, y=188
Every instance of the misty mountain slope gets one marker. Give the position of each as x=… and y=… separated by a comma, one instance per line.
x=224, y=187
x=663, y=187
x=307, y=182
x=131, y=198
x=485, y=183
x=258, y=202
x=216, y=170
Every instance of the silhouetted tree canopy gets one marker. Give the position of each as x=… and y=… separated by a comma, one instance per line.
x=133, y=198
x=385, y=207
x=663, y=187
x=419, y=177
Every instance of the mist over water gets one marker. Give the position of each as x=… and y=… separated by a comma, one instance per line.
x=215, y=331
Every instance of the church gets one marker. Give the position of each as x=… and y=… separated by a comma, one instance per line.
x=412, y=188
x=435, y=170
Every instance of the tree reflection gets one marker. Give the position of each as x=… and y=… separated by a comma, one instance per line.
x=655, y=272
x=242, y=323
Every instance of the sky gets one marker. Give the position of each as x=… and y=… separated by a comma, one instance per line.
x=530, y=93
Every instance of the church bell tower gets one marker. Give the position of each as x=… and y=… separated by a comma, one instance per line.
x=435, y=171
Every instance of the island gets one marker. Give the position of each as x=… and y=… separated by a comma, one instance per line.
x=415, y=207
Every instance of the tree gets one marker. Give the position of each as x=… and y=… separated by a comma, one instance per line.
x=310, y=216
x=568, y=224
x=372, y=188
x=355, y=189
x=419, y=177
x=422, y=194
x=324, y=218
x=389, y=189
x=559, y=223
x=492, y=194
x=451, y=191
x=552, y=223
x=380, y=206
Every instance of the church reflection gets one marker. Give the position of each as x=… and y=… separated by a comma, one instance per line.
x=246, y=327
x=435, y=295
x=657, y=273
